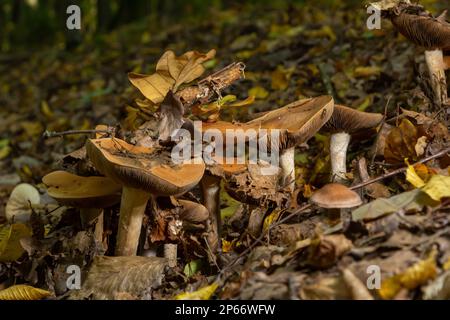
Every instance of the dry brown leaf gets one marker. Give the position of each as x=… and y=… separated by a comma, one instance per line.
x=171, y=72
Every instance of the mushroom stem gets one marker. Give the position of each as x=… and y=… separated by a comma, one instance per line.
x=287, y=165
x=132, y=209
x=210, y=186
x=98, y=231
x=170, y=253
x=338, y=154
x=436, y=66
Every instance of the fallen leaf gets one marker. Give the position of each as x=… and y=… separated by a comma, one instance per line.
x=10, y=235
x=437, y=187
x=204, y=293
x=23, y=292
x=171, y=72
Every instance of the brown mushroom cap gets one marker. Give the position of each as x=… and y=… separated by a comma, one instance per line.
x=345, y=119
x=82, y=192
x=143, y=168
x=335, y=195
x=426, y=31
x=297, y=121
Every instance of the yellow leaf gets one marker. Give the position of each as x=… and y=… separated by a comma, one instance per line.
x=446, y=265
x=204, y=293
x=413, y=178
x=171, y=72
x=23, y=292
x=438, y=187
x=258, y=92
x=227, y=246
x=281, y=77
x=270, y=219
x=46, y=111
x=10, y=248
x=5, y=149
x=389, y=288
x=413, y=277
x=364, y=72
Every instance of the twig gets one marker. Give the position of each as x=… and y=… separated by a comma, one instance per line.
x=51, y=134
x=400, y=170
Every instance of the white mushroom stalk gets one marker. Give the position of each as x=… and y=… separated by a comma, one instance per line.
x=338, y=154
x=287, y=165
x=132, y=209
x=436, y=68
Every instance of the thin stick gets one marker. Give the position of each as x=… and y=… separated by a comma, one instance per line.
x=400, y=170
x=51, y=134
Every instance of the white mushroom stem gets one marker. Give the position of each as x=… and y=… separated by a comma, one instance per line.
x=287, y=165
x=170, y=253
x=132, y=209
x=210, y=186
x=436, y=68
x=338, y=154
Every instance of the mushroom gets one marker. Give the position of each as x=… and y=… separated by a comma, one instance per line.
x=342, y=123
x=421, y=28
x=90, y=194
x=336, y=196
x=143, y=172
x=20, y=203
x=297, y=122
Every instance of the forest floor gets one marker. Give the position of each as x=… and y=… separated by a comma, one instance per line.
x=289, y=55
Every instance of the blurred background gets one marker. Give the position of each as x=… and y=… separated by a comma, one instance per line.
x=33, y=23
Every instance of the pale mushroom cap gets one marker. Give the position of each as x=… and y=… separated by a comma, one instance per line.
x=297, y=121
x=143, y=168
x=18, y=205
x=335, y=195
x=82, y=192
x=345, y=119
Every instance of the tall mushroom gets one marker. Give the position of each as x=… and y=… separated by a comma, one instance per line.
x=90, y=194
x=342, y=123
x=142, y=172
x=420, y=27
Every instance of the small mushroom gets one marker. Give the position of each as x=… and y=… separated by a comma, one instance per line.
x=143, y=172
x=20, y=203
x=432, y=33
x=90, y=194
x=336, y=196
x=343, y=122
